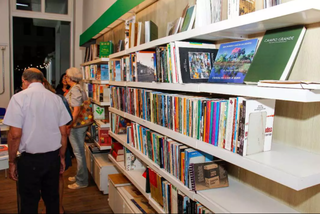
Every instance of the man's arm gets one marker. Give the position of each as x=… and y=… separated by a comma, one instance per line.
x=63, y=131
x=14, y=137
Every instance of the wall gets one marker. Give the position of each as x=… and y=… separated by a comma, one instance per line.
x=78, y=51
x=4, y=40
x=93, y=9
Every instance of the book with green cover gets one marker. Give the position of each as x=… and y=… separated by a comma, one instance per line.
x=276, y=54
x=106, y=48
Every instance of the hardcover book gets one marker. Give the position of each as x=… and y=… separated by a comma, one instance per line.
x=233, y=61
x=151, y=31
x=276, y=54
x=106, y=48
x=247, y=6
x=195, y=61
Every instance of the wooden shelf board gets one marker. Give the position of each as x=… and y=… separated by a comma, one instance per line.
x=96, y=61
x=100, y=103
x=101, y=124
x=102, y=147
x=280, y=164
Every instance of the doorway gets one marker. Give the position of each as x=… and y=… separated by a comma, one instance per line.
x=43, y=44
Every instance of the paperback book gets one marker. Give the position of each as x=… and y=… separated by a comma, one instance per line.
x=233, y=61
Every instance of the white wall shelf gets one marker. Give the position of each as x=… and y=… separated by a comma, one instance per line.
x=102, y=147
x=135, y=176
x=100, y=103
x=102, y=124
x=280, y=164
x=287, y=94
x=287, y=14
x=96, y=61
x=218, y=200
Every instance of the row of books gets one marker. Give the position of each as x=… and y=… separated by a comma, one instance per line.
x=179, y=160
x=95, y=72
x=234, y=62
x=238, y=124
x=98, y=92
x=169, y=197
x=95, y=51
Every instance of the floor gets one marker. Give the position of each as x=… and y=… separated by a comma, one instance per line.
x=86, y=200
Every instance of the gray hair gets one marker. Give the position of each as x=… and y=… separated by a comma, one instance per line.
x=32, y=74
x=74, y=74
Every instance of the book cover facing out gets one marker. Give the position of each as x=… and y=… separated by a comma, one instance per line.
x=233, y=61
x=146, y=67
x=106, y=48
x=196, y=63
x=209, y=175
x=276, y=54
x=104, y=71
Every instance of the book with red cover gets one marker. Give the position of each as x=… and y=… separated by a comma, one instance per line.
x=118, y=148
x=116, y=156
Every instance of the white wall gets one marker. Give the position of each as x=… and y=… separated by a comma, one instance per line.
x=93, y=9
x=5, y=40
x=78, y=30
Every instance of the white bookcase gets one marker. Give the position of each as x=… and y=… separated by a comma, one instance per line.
x=291, y=167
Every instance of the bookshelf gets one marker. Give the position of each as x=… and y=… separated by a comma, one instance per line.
x=280, y=164
x=218, y=200
x=96, y=61
x=287, y=14
x=100, y=81
x=135, y=176
x=286, y=94
x=296, y=119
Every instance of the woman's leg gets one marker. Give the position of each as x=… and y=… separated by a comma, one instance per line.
x=77, y=137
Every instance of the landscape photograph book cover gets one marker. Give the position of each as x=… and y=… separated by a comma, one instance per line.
x=196, y=60
x=233, y=61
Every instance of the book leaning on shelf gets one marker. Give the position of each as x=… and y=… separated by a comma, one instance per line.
x=276, y=54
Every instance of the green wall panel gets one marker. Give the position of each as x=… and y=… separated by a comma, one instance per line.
x=114, y=12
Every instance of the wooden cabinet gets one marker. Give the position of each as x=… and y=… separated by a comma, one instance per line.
x=99, y=167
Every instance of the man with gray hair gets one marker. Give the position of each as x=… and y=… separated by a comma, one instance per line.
x=37, y=119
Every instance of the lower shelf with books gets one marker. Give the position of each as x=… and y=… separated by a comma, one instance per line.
x=217, y=200
x=135, y=176
x=122, y=139
x=279, y=164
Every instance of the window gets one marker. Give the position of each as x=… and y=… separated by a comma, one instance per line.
x=57, y=6
x=31, y=5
